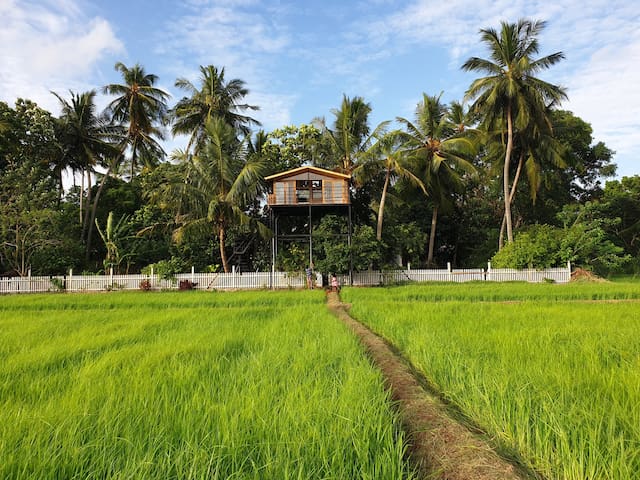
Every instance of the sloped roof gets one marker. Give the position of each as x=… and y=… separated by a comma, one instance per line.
x=310, y=169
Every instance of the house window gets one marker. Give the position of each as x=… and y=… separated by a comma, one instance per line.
x=306, y=189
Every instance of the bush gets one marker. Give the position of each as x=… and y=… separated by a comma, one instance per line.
x=187, y=285
x=584, y=244
x=145, y=285
x=166, y=269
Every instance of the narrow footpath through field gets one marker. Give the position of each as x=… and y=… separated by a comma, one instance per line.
x=439, y=446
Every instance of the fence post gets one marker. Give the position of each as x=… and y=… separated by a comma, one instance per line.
x=449, y=270
x=70, y=283
x=111, y=277
x=193, y=274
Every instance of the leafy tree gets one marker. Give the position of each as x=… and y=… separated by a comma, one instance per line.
x=28, y=188
x=293, y=146
x=141, y=107
x=588, y=162
x=511, y=97
x=332, y=253
x=216, y=97
x=621, y=198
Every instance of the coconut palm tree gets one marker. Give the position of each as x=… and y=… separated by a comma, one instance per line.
x=386, y=157
x=537, y=152
x=351, y=134
x=87, y=141
x=216, y=185
x=511, y=96
x=215, y=97
x=141, y=107
x=440, y=153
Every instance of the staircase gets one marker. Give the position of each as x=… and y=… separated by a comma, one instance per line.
x=242, y=250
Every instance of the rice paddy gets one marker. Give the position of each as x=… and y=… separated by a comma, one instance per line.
x=189, y=385
x=550, y=375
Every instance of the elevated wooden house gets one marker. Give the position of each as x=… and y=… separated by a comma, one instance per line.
x=308, y=185
x=309, y=192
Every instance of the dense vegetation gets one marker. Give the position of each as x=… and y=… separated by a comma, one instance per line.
x=549, y=374
x=452, y=184
x=198, y=385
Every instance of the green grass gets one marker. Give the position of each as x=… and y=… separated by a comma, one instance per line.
x=548, y=373
x=189, y=385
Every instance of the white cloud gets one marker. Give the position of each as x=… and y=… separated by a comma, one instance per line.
x=600, y=39
x=605, y=93
x=274, y=109
x=242, y=40
x=49, y=46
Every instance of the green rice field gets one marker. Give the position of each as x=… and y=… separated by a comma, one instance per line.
x=189, y=385
x=551, y=375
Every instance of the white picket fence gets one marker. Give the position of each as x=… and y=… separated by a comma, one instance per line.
x=202, y=281
x=275, y=280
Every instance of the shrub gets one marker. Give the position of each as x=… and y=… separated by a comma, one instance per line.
x=187, y=285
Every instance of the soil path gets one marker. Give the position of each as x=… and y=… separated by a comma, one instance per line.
x=440, y=447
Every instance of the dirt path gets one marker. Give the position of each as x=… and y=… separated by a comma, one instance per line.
x=440, y=447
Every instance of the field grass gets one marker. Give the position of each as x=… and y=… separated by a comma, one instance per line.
x=553, y=376
x=189, y=385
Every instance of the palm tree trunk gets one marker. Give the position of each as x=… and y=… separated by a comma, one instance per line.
x=94, y=208
x=381, y=208
x=511, y=195
x=85, y=222
x=432, y=235
x=81, y=200
x=505, y=183
x=223, y=254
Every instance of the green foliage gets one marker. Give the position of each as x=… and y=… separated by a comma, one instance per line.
x=166, y=269
x=408, y=240
x=365, y=249
x=537, y=247
x=113, y=237
x=584, y=243
x=293, y=258
x=332, y=254
x=292, y=146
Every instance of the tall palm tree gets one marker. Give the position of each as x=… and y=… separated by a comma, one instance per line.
x=87, y=141
x=351, y=134
x=537, y=152
x=141, y=107
x=511, y=95
x=215, y=97
x=385, y=156
x=440, y=153
x=216, y=186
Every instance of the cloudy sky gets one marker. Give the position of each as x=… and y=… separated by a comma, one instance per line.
x=299, y=57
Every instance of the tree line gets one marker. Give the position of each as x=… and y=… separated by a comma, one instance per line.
x=504, y=174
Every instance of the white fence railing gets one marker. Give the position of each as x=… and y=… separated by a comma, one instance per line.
x=264, y=280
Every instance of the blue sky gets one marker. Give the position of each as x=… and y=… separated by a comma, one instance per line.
x=299, y=57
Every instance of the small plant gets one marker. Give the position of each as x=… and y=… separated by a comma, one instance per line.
x=57, y=283
x=145, y=285
x=187, y=285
